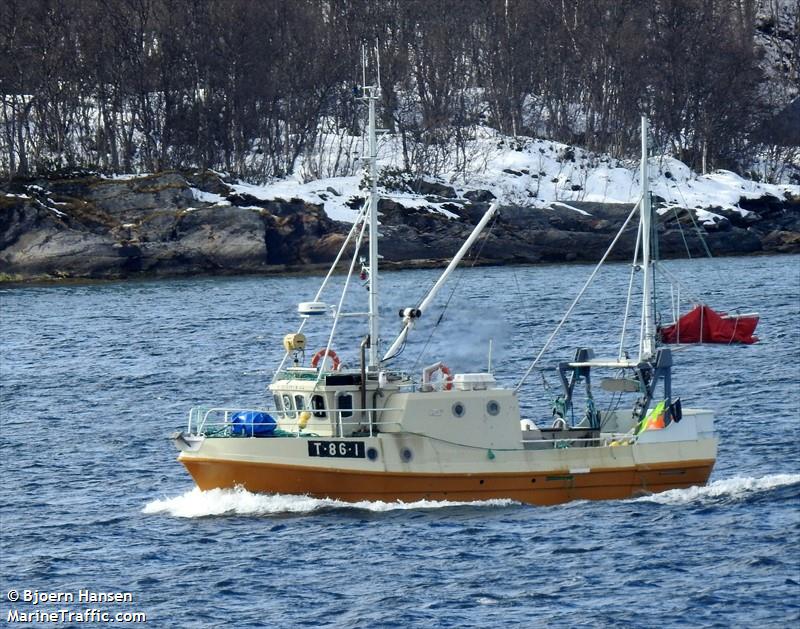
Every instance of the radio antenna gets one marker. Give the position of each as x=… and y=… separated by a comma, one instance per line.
x=378, y=62
x=363, y=68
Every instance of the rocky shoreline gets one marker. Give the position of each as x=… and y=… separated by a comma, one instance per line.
x=87, y=226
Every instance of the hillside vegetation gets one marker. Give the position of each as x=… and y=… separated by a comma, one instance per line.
x=252, y=88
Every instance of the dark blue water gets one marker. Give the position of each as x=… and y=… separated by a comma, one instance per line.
x=95, y=377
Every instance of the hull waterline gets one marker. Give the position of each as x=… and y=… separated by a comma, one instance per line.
x=541, y=488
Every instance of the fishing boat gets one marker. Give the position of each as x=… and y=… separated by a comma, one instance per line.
x=373, y=432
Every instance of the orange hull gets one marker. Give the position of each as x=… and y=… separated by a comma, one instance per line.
x=543, y=488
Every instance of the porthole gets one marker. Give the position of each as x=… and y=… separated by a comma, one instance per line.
x=458, y=409
x=493, y=407
x=406, y=454
x=372, y=454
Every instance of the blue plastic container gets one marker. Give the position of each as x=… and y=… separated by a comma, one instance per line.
x=252, y=424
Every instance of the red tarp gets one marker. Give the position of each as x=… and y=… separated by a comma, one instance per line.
x=704, y=325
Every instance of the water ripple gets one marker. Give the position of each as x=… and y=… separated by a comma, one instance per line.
x=94, y=378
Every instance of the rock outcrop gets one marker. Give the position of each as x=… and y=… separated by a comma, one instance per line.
x=99, y=228
x=174, y=223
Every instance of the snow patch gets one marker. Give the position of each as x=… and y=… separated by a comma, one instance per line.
x=569, y=207
x=126, y=176
x=209, y=197
x=708, y=218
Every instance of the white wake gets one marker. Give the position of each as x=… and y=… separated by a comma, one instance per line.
x=734, y=488
x=218, y=502
x=215, y=502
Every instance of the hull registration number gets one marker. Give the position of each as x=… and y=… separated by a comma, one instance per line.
x=337, y=449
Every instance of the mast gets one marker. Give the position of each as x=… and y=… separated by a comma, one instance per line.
x=371, y=94
x=647, y=341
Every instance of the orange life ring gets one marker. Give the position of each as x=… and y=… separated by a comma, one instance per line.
x=447, y=376
x=315, y=360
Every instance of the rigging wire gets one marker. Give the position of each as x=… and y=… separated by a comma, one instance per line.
x=680, y=229
x=674, y=279
x=460, y=276
x=529, y=323
x=629, y=299
x=578, y=297
x=700, y=235
x=359, y=217
x=703, y=242
x=698, y=231
x=344, y=294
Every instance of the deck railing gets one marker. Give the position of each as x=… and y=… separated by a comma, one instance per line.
x=602, y=440
x=219, y=421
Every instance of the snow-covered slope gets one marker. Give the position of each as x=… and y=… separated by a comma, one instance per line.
x=533, y=173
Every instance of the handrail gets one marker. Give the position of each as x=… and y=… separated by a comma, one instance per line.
x=606, y=438
x=202, y=418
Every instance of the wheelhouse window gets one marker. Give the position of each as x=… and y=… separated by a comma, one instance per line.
x=288, y=405
x=318, y=405
x=344, y=402
x=299, y=402
x=278, y=403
